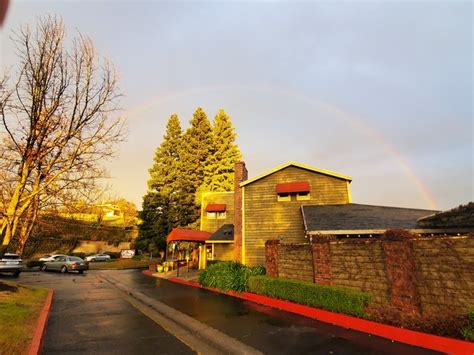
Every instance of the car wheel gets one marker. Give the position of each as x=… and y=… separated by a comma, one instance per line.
x=16, y=273
x=81, y=271
x=44, y=267
x=64, y=269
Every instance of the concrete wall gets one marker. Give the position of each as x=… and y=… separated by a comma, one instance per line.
x=424, y=275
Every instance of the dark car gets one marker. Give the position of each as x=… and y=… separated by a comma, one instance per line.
x=65, y=264
x=10, y=263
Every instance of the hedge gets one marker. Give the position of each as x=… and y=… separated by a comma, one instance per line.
x=331, y=298
x=468, y=332
x=227, y=276
x=34, y=263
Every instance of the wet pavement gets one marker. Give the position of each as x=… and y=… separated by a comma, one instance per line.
x=89, y=316
x=266, y=329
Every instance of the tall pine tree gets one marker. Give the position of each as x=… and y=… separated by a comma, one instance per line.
x=219, y=168
x=195, y=150
x=166, y=204
x=165, y=170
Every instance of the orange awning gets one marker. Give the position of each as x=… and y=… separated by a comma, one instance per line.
x=214, y=207
x=289, y=187
x=187, y=235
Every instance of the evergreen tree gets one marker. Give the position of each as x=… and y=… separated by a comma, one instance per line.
x=195, y=150
x=165, y=170
x=219, y=169
x=167, y=204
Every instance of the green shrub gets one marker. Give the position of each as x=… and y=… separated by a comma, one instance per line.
x=468, y=332
x=79, y=255
x=212, y=262
x=227, y=276
x=113, y=255
x=34, y=263
x=331, y=298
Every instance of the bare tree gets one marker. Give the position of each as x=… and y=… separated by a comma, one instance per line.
x=58, y=123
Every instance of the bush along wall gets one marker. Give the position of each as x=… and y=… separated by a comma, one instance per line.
x=229, y=276
x=331, y=298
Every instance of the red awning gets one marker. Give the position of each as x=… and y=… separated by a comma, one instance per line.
x=214, y=207
x=289, y=187
x=187, y=235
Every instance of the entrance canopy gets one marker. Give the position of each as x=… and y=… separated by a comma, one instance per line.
x=187, y=235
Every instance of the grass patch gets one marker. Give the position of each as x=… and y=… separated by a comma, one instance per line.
x=120, y=264
x=331, y=298
x=19, y=312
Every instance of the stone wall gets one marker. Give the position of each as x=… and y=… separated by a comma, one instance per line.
x=359, y=264
x=445, y=269
x=91, y=246
x=295, y=262
x=416, y=275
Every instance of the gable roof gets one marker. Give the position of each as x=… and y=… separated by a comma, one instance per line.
x=298, y=165
x=354, y=218
x=224, y=233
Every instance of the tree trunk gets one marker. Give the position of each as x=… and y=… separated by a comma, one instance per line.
x=27, y=226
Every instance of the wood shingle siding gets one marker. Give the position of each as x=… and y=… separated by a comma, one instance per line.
x=266, y=218
x=219, y=198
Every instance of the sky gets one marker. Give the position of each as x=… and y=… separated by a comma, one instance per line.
x=381, y=91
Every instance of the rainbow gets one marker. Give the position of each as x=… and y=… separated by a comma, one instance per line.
x=354, y=121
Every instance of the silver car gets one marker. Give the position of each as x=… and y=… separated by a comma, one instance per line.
x=66, y=264
x=51, y=257
x=98, y=257
x=10, y=263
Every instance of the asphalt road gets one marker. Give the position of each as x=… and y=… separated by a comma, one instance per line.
x=89, y=316
x=266, y=329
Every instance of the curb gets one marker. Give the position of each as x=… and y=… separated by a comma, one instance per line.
x=406, y=336
x=37, y=341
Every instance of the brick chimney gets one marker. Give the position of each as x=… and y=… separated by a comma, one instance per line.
x=240, y=174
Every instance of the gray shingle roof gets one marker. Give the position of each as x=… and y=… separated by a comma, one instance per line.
x=224, y=233
x=360, y=217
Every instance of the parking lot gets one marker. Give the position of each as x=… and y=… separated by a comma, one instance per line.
x=91, y=317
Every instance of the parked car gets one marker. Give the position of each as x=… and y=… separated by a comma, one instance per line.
x=65, y=264
x=98, y=257
x=51, y=257
x=10, y=263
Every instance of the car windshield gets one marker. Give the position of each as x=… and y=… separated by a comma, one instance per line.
x=74, y=258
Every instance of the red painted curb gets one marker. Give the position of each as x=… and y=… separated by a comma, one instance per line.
x=148, y=272
x=411, y=337
x=37, y=341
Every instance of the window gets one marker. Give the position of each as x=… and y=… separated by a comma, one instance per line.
x=302, y=196
x=284, y=197
x=211, y=215
x=221, y=215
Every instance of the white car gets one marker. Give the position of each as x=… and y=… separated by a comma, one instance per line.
x=51, y=257
x=98, y=257
x=10, y=263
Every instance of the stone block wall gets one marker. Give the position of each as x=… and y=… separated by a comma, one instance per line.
x=359, y=264
x=295, y=262
x=445, y=269
x=415, y=275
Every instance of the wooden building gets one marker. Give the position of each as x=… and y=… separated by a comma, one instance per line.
x=292, y=203
x=267, y=207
